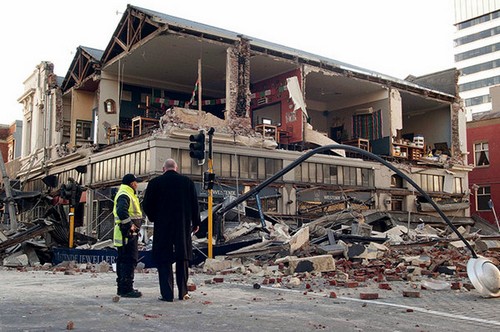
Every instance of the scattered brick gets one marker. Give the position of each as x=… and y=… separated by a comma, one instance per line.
x=384, y=285
x=411, y=294
x=360, y=278
x=393, y=278
x=368, y=296
x=191, y=287
x=351, y=284
x=468, y=286
x=333, y=295
x=218, y=279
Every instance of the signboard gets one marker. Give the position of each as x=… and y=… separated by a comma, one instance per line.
x=93, y=256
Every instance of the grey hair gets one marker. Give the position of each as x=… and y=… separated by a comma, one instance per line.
x=169, y=165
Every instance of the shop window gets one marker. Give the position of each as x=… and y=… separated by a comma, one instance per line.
x=481, y=154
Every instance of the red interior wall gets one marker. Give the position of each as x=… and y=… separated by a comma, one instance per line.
x=290, y=121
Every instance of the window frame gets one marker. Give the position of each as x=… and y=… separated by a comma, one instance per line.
x=477, y=156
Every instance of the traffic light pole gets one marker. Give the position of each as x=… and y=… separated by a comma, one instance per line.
x=210, y=194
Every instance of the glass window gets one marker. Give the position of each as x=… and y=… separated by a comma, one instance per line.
x=305, y=172
x=319, y=173
x=312, y=172
x=225, y=167
x=234, y=166
x=458, y=185
x=244, y=166
x=483, y=197
x=84, y=129
x=366, y=177
x=481, y=154
x=252, y=167
x=261, y=162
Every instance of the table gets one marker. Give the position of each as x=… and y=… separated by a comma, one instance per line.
x=361, y=143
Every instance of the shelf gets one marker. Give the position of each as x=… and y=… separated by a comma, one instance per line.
x=116, y=134
x=268, y=131
x=141, y=125
x=409, y=152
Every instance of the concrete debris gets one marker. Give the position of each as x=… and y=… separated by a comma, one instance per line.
x=339, y=250
x=15, y=260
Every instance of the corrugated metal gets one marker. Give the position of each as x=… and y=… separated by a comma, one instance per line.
x=95, y=53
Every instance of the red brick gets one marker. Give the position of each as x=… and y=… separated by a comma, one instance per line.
x=352, y=284
x=469, y=286
x=426, y=272
x=368, y=296
x=332, y=282
x=191, y=287
x=393, y=278
x=411, y=294
x=218, y=279
x=384, y=285
x=456, y=285
x=333, y=295
x=360, y=278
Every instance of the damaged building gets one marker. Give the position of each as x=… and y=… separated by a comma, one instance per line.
x=129, y=107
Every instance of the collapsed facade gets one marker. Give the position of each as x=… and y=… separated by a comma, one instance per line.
x=161, y=79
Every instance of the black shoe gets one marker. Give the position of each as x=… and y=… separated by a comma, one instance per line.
x=132, y=293
x=164, y=299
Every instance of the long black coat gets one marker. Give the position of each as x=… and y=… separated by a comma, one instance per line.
x=171, y=203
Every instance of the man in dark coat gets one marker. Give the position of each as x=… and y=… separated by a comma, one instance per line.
x=171, y=203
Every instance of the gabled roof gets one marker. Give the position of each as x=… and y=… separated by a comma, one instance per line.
x=139, y=25
x=85, y=63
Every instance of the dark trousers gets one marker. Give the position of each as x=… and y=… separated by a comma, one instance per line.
x=166, y=278
x=125, y=265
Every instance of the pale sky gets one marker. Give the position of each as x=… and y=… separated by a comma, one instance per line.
x=393, y=37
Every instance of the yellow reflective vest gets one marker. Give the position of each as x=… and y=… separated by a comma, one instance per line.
x=134, y=212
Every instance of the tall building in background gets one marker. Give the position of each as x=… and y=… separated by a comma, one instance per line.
x=477, y=52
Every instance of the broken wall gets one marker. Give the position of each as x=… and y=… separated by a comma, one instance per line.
x=434, y=125
x=108, y=89
x=81, y=109
x=345, y=116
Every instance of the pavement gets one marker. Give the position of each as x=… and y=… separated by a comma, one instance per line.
x=35, y=300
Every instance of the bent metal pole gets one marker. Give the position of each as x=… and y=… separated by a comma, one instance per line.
x=370, y=155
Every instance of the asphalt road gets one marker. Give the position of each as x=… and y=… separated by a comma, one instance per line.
x=53, y=301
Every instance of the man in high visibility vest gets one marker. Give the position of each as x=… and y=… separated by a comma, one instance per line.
x=128, y=218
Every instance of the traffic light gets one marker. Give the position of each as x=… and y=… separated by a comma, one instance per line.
x=197, y=148
x=208, y=180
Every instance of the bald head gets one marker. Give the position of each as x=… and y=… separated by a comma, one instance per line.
x=169, y=165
